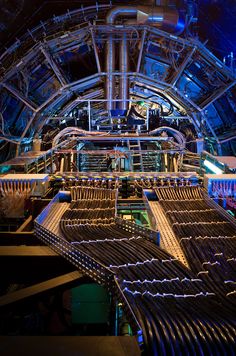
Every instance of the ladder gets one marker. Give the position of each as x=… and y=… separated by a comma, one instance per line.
x=136, y=158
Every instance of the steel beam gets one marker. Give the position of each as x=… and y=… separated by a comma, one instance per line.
x=182, y=67
x=26, y=251
x=212, y=131
x=27, y=126
x=25, y=224
x=54, y=66
x=75, y=102
x=144, y=79
x=39, y=288
x=177, y=93
x=19, y=96
x=72, y=105
x=95, y=49
x=216, y=96
x=141, y=50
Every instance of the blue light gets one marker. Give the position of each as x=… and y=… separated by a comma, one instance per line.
x=212, y=167
x=140, y=337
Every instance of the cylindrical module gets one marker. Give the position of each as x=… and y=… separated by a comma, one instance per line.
x=110, y=68
x=124, y=68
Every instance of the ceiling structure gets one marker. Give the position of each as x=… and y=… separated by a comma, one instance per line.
x=56, y=75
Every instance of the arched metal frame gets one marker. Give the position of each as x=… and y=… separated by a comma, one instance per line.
x=181, y=81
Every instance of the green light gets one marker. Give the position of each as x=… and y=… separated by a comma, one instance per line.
x=141, y=103
x=230, y=212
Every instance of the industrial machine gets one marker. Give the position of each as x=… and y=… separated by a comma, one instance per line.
x=117, y=165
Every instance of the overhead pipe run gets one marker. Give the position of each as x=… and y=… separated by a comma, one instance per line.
x=124, y=80
x=177, y=134
x=110, y=68
x=164, y=18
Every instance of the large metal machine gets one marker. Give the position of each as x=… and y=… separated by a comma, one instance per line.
x=117, y=108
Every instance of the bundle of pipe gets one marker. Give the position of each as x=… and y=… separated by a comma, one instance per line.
x=90, y=207
x=166, y=19
x=13, y=196
x=73, y=131
x=178, y=313
x=173, y=181
x=96, y=182
x=177, y=134
x=207, y=238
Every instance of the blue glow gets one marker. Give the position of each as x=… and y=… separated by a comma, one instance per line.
x=140, y=337
x=212, y=167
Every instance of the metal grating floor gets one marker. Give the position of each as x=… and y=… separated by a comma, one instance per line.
x=168, y=240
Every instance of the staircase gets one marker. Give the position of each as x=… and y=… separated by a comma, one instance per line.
x=137, y=159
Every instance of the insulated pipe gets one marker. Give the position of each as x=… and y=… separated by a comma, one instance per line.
x=110, y=68
x=163, y=17
x=124, y=68
x=177, y=134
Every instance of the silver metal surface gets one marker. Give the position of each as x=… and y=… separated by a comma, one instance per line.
x=124, y=68
x=110, y=67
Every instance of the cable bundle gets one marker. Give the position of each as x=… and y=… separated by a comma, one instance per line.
x=207, y=238
x=178, y=312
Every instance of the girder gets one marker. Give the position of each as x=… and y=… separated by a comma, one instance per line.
x=183, y=69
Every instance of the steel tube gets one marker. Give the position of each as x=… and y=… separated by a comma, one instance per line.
x=124, y=81
x=110, y=67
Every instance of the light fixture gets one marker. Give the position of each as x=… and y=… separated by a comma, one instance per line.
x=212, y=167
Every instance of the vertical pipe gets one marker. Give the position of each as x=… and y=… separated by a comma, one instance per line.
x=89, y=114
x=141, y=54
x=124, y=65
x=147, y=120
x=110, y=67
x=95, y=50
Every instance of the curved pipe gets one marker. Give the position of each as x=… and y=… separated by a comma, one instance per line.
x=228, y=139
x=177, y=134
x=124, y=68
x=110, y=68
x=74, y=131
x=163, y=17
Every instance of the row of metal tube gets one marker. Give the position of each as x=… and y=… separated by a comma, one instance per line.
x=177, y=311
x=208, y=240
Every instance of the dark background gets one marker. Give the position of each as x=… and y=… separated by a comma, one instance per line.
x=216, y=18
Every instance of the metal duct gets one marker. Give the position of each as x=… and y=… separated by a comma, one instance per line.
x=124, y=68
x=165, y=18
x=110, y=68
x=177, y=134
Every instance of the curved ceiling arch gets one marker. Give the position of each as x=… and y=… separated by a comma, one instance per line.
x=61, y=70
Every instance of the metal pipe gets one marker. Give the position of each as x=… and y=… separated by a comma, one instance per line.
x=95, y=50
x=163, y=17
x=124, y=67
x=141, y=50
x=110, y=67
